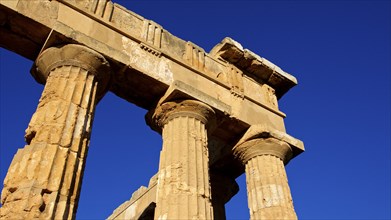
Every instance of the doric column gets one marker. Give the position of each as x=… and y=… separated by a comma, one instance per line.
x=44, y=178
x=183, y=183
x=268, y=191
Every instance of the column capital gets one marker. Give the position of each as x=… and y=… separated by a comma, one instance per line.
x=73, y=55
x=163, y=113
x=263, y=146
x=264, y=131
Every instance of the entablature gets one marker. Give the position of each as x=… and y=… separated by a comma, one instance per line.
x=259, y=68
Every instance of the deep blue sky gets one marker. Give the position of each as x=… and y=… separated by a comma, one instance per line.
x=338, y=50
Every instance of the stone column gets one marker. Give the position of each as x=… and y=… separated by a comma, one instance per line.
x=183, y=183
x=44, y=178
x=268, y=191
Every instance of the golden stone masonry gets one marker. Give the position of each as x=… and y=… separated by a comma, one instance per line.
x=217, y=113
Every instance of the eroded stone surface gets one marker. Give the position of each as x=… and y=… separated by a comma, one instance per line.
x=183, y=189
x=233, y=109
x=44, y=178
x=268, y=191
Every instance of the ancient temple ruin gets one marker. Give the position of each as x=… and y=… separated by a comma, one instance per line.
x=217, y=113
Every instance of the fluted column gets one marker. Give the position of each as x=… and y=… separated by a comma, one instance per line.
x=268, y=191
x=44, y=178
x=183, y=183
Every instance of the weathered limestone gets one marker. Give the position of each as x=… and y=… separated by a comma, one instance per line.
x=183, y=189
x=45, y=176
x=268, y=191
x=191, y=88
x=140, y=206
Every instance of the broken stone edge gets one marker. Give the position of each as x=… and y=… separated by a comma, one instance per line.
x=252, y=64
